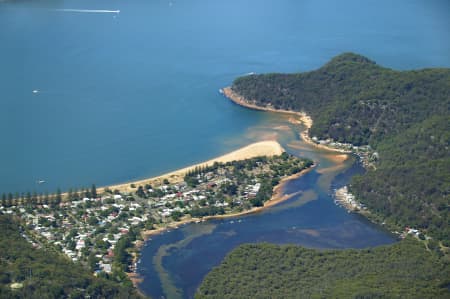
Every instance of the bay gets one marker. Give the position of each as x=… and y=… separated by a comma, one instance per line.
x=130, y=95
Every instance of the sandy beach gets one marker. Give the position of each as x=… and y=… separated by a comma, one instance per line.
x=263, y=148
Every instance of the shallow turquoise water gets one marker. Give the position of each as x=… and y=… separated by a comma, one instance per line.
x=129, y=95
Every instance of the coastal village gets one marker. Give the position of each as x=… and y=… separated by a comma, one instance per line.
x=367, y=156
x=100, y=228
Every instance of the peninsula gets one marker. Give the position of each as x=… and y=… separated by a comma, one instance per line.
x=102, y=229
x=393, y=119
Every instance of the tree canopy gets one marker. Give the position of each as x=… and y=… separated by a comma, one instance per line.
x=402, y=270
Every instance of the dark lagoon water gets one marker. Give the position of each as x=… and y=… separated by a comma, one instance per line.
x=104, y=97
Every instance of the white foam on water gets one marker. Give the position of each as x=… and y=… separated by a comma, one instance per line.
x=88, y=10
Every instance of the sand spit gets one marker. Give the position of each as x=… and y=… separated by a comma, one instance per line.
x=263, y=148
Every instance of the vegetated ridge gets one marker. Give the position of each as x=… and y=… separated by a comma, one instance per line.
x=402, y=270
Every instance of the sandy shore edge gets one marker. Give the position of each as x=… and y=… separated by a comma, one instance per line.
x=303, y=117
x=262, y=148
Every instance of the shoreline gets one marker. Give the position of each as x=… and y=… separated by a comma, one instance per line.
x=261, y=148
x=277, y=198
x=305, y=119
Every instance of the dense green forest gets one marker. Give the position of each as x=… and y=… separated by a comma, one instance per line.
x=403, y=270
x=26, y=272
x=403, y=115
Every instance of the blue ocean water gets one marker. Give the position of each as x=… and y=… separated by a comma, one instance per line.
x=130, y=95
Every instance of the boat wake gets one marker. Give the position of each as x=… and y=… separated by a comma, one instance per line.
x=88, y=10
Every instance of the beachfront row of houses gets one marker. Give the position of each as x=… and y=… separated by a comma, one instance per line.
x=348, y=200
x=366, y=154
x=345, y=198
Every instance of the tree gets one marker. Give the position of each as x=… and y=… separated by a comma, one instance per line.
x=93, y=191
x=140, y=192
x=92, y=220
x=92, y=261
x=58, y=197
x=176, y=215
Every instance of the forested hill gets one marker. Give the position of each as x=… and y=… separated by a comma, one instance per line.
x=402, y=270
x=352, y=99
x=403, y=115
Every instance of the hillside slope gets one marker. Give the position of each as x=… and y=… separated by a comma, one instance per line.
x=403, y=115
x=403, y=270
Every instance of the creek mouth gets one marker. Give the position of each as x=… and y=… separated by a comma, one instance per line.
x=174, y=263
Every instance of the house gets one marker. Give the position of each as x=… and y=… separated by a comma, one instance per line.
x=106, y=267
x=80, y=244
